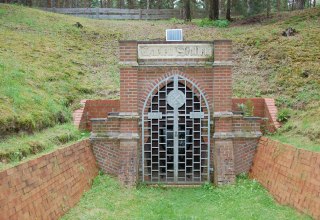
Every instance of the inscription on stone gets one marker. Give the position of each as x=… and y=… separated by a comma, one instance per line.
x=174, y=51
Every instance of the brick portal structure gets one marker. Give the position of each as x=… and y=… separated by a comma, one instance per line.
x=175, y=123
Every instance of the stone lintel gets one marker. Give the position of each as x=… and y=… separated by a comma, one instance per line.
x=128, y=63
x=237, y=134
x=251, y=118
x=98, y=119
x=125, y=115
x=174, y=64
x=115, y=136
x=222, y=114
x=222, y=63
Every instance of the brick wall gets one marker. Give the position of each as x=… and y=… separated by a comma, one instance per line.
x=291, y=175
x=107, y=155
x=93, y=109
x=47, y=187
x=263, y=107
x=244, y=151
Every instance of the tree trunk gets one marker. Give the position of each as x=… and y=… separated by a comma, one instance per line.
x=187, y=10
x=285, y=5
x=314, y=3
x=216, y=10
x=300, y=4
x=120, y=3
x=211, y=10
x=278, y=5
x=249, y=10
x=268, y=8
x=159, y=4
x=131, y=4
x=228, y=13
x=107, y=4
x=292, y=6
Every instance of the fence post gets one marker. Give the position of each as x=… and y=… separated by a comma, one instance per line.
x=140, y=14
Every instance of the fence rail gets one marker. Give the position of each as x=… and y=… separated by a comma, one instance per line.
x=125, y=14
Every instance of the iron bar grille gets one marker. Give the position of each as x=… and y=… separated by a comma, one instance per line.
x=175, y=133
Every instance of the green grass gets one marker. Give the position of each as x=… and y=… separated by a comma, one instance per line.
x=47, y=65
x=15, y=149
x=245, y=200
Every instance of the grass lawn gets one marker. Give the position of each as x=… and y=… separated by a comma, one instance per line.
x=245, y=200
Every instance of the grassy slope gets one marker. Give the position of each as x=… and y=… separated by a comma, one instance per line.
x=47, y=65
x=23, y=147
x=246, y=200
x=287, y=69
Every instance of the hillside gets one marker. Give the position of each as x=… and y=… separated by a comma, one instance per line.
x=47, y=65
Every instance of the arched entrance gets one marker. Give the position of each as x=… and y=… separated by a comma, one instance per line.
x=175, y=133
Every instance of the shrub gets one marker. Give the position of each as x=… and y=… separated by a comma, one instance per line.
x=247, y=108
x=211, y=23
x=283, y=115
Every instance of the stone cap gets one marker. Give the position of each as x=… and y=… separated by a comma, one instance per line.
x=115, y=135
x=124, y=115
x=237, y=134
x=163, y=42
x=98, y=119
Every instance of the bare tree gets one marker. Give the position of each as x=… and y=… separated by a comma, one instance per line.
x=228, y=14
x=249, y=9
x=214, y=10
x=187, y=10
x=120, y=3
x=109, y=3
x=278, y=5
x=300, y=4
x=268, y=8
x=130, y=4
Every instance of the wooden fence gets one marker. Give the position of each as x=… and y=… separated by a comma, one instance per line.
x=125, y=14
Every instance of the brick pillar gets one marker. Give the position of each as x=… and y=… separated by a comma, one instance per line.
x=128, y=76
x=129, y=137
x=128, y=173
x=222, y=82
x=224, y=162
x=224, y=170
x=129, y=140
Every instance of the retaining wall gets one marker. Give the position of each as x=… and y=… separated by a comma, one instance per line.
x=93, y=109
x=291, y=175
x=47, y=187
x=264, y=108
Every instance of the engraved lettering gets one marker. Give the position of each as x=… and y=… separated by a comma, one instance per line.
x=174, y=51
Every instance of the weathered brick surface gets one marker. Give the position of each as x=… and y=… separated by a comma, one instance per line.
x=224, y=162
x=246, y=124
x=47, y=187
x=93, y=109
x=107, y=153
x=244, y=151
x=291, y=175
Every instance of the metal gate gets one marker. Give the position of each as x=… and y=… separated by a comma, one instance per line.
x=175, y=133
